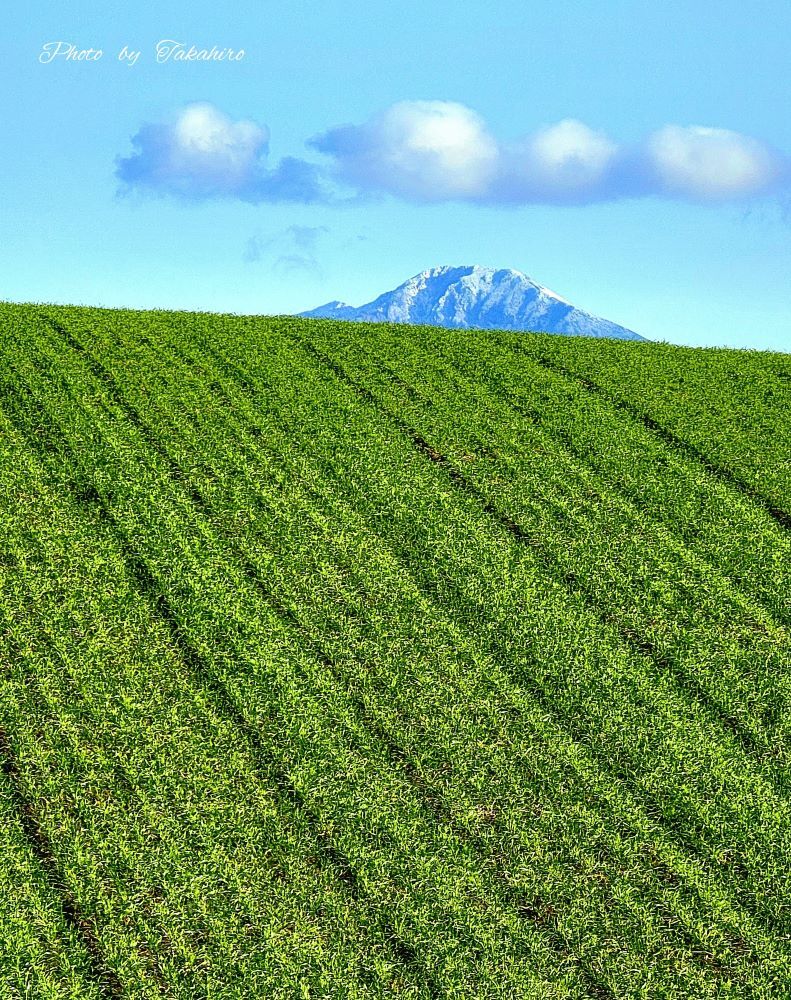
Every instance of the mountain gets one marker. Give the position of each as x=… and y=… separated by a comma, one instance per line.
x=476, y=297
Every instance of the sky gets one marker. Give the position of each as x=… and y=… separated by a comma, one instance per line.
x=633, y=157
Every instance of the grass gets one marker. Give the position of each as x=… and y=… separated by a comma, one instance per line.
x=346, y=661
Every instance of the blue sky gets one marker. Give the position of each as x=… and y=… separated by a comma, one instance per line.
x=631, y=156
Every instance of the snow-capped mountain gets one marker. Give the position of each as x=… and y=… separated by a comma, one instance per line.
x=475, y=296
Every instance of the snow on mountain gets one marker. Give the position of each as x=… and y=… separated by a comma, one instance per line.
x=476, y=297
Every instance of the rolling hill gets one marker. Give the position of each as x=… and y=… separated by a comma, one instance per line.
x=350, y=661
x=479, y=298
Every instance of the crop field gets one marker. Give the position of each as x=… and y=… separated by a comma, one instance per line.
x=347, y=661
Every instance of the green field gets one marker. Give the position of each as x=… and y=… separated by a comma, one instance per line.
x=376, y=661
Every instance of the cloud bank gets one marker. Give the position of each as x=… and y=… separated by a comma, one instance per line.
x=438, y=151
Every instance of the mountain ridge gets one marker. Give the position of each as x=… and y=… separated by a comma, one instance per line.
x=475, y=297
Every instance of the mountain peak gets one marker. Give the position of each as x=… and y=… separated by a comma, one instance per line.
x=473, y=296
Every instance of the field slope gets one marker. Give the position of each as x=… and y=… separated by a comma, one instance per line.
x=360, y=661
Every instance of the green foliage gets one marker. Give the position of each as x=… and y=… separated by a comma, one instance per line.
x=365, y=661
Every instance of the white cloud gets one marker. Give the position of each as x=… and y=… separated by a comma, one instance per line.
x=567, y=161
x=203, y=153
x=425, y=150
x=206, y=143
x=710, y=163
